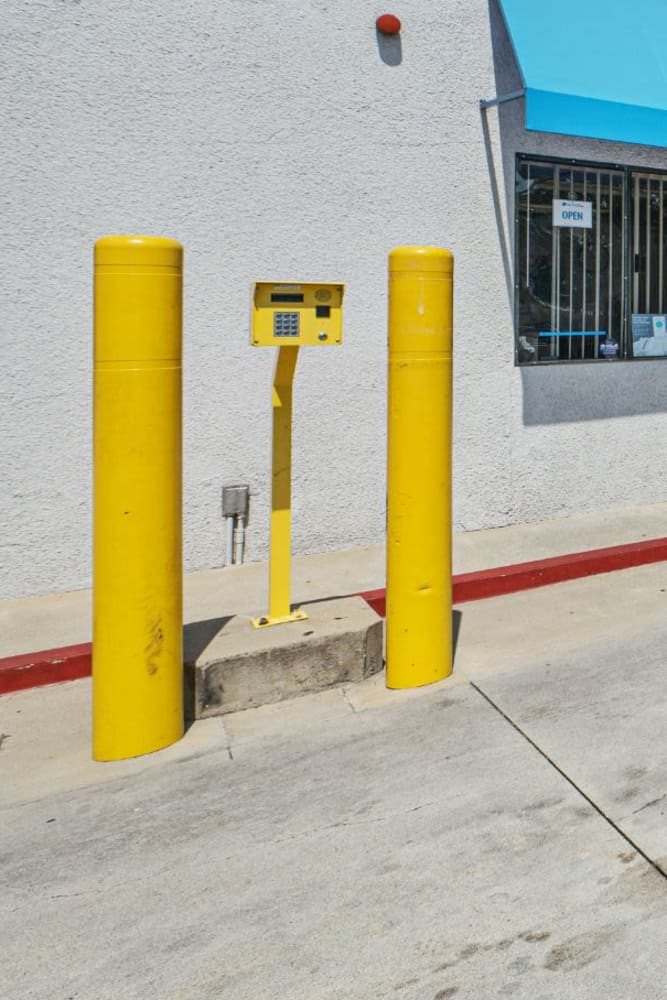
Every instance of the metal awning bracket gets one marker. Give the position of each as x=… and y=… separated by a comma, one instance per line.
x=494, y=102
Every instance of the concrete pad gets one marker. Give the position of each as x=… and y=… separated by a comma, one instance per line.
x=520, y=630
x=31, y=624
x=421, y=850
x=45, y=744
x=243, y=590
x=478, y=550
x=242, y=667
x=602, y=718
x=374, y=693
x=276, y=724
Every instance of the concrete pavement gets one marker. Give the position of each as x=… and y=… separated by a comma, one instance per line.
x=500, y=834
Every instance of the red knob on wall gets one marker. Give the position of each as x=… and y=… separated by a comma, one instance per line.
x=388, y=24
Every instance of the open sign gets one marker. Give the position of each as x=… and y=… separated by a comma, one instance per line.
x=573, y=214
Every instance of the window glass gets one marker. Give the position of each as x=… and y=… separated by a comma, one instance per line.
x=571, y=253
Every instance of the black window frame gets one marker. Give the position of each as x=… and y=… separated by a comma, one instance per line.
x=628, y=171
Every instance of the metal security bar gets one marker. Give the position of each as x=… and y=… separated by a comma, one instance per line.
x=648, y=322
x=570, y=288
x=648, y=286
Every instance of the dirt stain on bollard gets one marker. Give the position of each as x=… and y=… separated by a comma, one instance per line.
x=154, y=646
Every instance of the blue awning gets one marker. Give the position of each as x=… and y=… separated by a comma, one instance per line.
x=595, y=68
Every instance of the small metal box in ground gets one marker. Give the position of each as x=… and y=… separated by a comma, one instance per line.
x=291, y=315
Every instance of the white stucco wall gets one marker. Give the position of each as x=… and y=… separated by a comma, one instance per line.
x=271, y=138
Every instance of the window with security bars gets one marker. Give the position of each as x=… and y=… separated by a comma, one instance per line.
x=591, y=281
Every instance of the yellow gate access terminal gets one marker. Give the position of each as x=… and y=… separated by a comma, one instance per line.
x=286, y=315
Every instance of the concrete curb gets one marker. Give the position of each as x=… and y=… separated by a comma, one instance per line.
x=68, y=663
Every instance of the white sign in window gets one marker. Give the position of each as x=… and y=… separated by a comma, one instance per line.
x=573, y=214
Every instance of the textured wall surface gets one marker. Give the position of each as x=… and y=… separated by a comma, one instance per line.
x=277, y=138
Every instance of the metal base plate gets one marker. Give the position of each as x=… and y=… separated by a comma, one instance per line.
x=264, y=621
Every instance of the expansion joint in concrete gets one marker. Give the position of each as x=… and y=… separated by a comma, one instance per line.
x=598, y=809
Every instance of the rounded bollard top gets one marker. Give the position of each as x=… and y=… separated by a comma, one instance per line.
x=418, y=258
x=154, y=251
x=138, y=288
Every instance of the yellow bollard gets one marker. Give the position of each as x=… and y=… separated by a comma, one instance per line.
x=419, y=467
x=137, y=558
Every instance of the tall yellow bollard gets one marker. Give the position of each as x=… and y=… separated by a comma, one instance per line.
x=419, y=506
x=137, y=571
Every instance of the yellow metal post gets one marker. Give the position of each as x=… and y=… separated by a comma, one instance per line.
x=419, y=509
x=137, y=571
x=281, y=495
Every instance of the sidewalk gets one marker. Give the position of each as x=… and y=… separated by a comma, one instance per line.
x=39, y=623
x=501, y=834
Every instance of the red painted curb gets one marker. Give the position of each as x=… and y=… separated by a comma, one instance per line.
x=542, y=572
x=51, y=666
x=72, y=662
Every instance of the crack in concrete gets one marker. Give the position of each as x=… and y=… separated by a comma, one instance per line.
x=598, y=809
x=350, y=823
x=101, y=890
x=346, y=699
x=228, y=740
x=653, y=802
